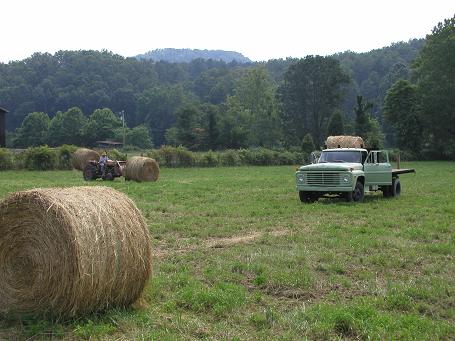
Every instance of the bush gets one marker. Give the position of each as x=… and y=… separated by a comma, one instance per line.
x=230, y=158
x=173, y=156
x=185, y=157
x=40, y=158
x=114, y=154
x=260, y=157
x=6, y=159
x=308, y=144
x=288, y=158
x=168, y=156
x=157, y=156
x=208, y=159
x=65, y=153
x=404, y=155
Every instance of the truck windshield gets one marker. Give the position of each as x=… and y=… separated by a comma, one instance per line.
x=341, y=156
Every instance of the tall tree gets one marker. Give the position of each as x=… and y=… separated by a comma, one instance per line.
x=435, y=74
x=73, y=125
x=55, y=136
x=312, y=91
x=189, y=133
x=234, y=125
x=33, y=131
x=210, y=122
x=401, y=111
x=336, y=125
x=101, y=125
x=362, y=117
x=255, y=95
x=138, y=137
x=156, y=107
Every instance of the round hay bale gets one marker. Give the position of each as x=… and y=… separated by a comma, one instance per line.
x=82, y=156
x=141, y=168
x=71, y=251
x=344, y=142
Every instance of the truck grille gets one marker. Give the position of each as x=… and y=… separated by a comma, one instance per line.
x=323, y=178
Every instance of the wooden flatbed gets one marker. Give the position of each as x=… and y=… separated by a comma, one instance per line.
x=403, y=171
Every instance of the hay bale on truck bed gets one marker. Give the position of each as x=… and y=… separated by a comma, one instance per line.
x=71, y=251
x=82, y=156
x=344, y=142
x=141, y=169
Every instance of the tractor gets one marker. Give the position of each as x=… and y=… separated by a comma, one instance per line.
x=112, y=169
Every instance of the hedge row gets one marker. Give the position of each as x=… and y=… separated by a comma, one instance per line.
x=45, y=158
x=181, y=157
x=37, y=158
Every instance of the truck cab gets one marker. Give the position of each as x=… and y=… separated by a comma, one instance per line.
x=349, y=173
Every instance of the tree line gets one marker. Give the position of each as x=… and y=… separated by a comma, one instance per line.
x=74, y=128
x=387, y=96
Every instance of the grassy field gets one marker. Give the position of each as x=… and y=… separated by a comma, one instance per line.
x=238, y=257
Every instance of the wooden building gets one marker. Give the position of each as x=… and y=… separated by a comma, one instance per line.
x=2, y=128
x=108, y=144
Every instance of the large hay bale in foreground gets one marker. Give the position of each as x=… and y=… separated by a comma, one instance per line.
x=82, y=156
x=71, y=251
x=344, y=142
x=141, y=169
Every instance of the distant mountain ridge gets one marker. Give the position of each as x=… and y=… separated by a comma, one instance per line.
x=187, y=55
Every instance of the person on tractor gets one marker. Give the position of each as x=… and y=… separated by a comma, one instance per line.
x=102, y=162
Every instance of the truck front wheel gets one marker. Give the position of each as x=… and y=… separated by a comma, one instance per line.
x=307, y=197
x=357, y=194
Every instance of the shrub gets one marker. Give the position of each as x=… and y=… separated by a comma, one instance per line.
x=260, y=157
x=287, y=158
x=157, y=156
x=308, y=144
x=6, y=159
x=185, y=157
x=114, y=154
x=65, y=153
x=208, y=159
x=168, y=156
x=173, y=156
x=230, y=158
x=404, y=155
x=40, y=158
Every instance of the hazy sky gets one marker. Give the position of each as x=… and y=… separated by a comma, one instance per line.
x=261, y=30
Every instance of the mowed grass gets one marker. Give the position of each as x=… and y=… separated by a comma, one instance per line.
x=238, y=257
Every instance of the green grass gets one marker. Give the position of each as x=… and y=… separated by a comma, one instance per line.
x=238, y=256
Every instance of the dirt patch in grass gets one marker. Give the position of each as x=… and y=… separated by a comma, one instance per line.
x=162, y=250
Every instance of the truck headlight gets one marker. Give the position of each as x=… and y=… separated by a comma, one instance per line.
x=346, y=178
x=300, y=178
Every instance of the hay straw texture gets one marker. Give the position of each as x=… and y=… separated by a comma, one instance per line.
x=344, y=142
x=71, y=251
x=141, y=169
x=82, y=156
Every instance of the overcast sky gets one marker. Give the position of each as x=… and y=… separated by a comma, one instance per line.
x=261, y=30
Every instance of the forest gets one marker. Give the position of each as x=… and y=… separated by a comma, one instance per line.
x=400, y=96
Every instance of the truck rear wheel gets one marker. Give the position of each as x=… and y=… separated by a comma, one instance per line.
x=307, y=197
x=357, y=194
x=396, y=187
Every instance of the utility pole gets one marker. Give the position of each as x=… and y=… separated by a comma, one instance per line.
x=122, y=114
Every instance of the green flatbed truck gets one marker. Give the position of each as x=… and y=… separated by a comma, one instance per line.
x=349, y=173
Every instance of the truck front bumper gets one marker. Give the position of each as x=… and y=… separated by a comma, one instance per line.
x=324, y=189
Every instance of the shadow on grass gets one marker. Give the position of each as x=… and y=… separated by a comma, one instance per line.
x=32, y=327
x=336, y=200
